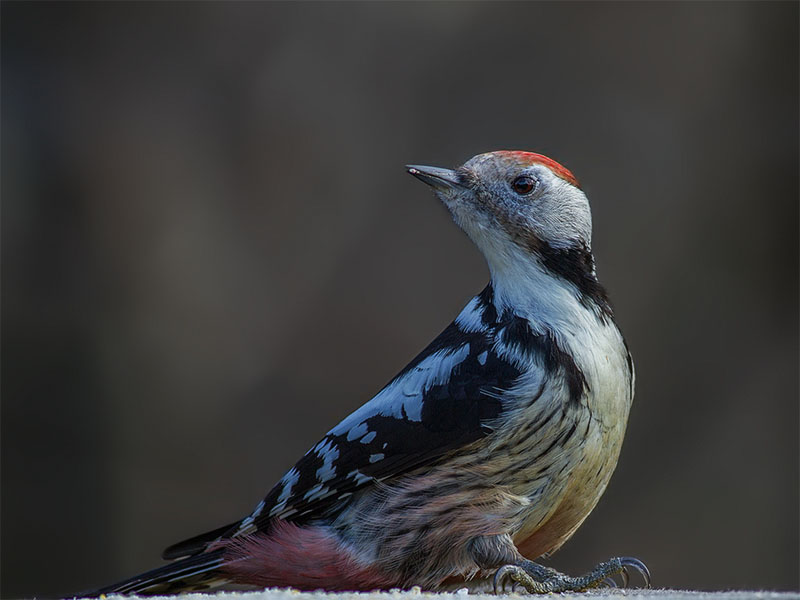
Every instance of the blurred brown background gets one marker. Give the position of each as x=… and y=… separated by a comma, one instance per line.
x=211, y=253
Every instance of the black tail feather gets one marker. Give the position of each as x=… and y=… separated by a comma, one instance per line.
x=198, y=543
x=195, y=573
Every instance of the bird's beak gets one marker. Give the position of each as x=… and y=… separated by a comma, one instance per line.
x=437, y=178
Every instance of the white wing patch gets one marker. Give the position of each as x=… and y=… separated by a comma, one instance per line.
x=287, y=481
x=356, y=432
x=328, y=453
x=317, y=492
x=257, y=511
x=470, y=318
x=404, y=395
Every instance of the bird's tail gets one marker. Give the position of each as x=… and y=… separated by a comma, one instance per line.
x=195, y=573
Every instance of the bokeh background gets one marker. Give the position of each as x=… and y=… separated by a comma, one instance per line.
x=211, y=253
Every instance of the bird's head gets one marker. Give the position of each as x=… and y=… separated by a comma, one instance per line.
x=511, y=201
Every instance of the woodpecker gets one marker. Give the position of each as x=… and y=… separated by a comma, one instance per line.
x=486, y=452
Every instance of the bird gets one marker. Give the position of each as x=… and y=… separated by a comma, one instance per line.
x=485, y=453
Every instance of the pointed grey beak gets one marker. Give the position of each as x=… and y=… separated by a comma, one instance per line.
x=436, y=177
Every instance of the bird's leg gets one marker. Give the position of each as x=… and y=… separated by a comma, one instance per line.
x=538, y=579
x=498, y=552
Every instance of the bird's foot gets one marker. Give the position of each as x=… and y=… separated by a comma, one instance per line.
x=537, y=579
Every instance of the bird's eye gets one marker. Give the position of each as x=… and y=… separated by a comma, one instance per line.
x=523, y=185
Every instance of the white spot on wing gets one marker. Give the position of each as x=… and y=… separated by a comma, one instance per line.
x=373, y=458
x=288, y=482
x=404, y=394
x=328, y=452
x=483, y=356
x=258, y=509
x=356, y=432
x=317, y=492
x=246, y=524
x=469, y=320
x=368, y=438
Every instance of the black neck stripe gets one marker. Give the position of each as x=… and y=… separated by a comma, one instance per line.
x=576, y=265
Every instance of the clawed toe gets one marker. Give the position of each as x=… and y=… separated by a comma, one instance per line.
x=629, y=561
x=537, y=579
x=503, y=575
x=609, y=582
x=626, y=578
x=620, y=566
x=499, y=582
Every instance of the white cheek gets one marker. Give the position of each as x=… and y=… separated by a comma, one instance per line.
x=562, y=216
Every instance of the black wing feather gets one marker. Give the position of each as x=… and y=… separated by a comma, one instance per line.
x=456, y=410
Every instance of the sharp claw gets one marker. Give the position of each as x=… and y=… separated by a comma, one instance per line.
x=629, y=561
x=626, y=578
x=494, y=583
x=609, y=582
x=499, y=581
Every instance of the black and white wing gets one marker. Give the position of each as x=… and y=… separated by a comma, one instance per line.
x=446, y=398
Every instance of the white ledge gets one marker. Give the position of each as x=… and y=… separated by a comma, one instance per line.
x=610, y=594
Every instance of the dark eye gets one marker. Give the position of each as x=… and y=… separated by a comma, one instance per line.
x=523, y=185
